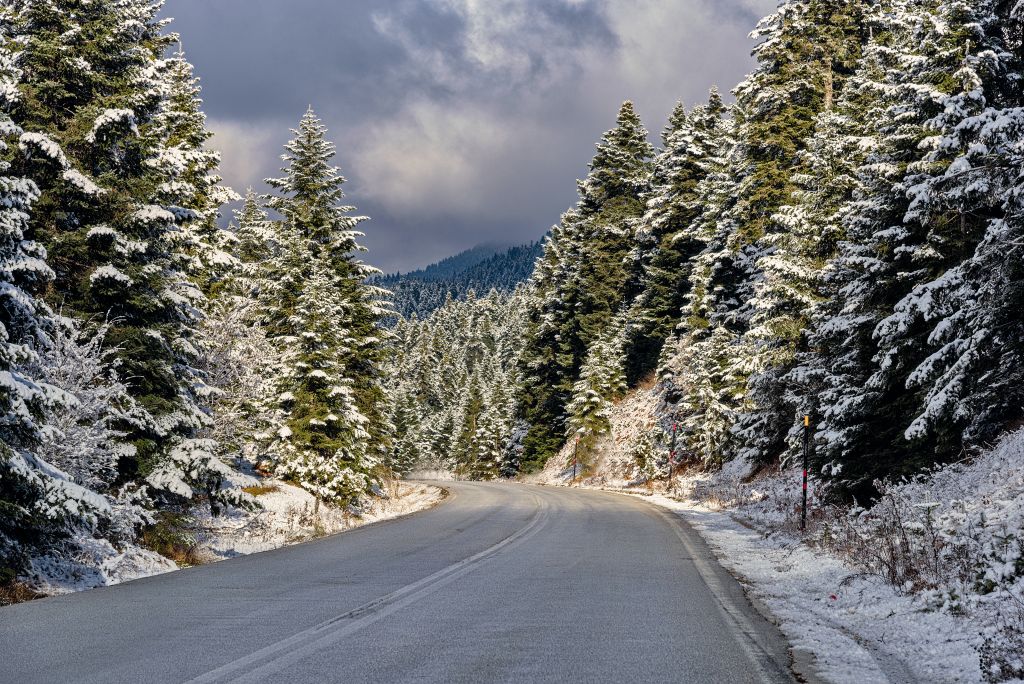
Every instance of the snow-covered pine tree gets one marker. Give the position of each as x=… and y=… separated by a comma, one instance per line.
x=24, y=276
x=191, y=187
x=92, y=101
x=698, y=370
x=890, y=249
x=804, y=239
x=588, y=276
x=255, y=240
x=238, y=361
x=57, y=397
x=602, y=382
x=667, y=234
x=962, y=321
x=645, y=456
x=807, y=48
x=465, y=446
x=322, y=319
x=307, y=198
x=322, y=441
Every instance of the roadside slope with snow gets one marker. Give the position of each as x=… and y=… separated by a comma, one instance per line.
x=286, y=515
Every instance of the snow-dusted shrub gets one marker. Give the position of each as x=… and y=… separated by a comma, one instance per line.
x=75, y=459
x=955, y=536
x=193, y=469
x=646, y=455
x=81, y=435
x=238, y=362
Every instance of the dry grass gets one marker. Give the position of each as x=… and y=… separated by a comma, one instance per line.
x=172, y=538
x=17, y=592
x=260, y=490
x=648, y=383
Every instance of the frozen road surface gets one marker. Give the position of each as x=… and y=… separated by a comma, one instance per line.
x=500, y=583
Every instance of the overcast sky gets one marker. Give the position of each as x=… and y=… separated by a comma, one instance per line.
x=458, y=122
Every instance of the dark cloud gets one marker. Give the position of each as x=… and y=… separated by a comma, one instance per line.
x=458, y=121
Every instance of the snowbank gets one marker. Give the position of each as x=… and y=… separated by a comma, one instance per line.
x=89, y=563
x=291, y=515
x=856, y=628
x=288, y=515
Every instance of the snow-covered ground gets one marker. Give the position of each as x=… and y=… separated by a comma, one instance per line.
x=92, y=563
x=291, y=514
x=288, y=515
x=856, y=628
x=926, y=585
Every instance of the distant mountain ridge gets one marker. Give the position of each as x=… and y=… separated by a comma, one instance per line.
x=480, y=269
x=450, y=267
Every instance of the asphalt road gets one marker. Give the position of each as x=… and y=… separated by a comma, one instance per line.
x=500, y=583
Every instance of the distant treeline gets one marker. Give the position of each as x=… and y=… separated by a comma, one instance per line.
x=481, y=269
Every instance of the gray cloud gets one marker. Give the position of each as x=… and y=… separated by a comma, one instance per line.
x=457, y=121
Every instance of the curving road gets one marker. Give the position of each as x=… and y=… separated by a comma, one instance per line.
x=501, y=583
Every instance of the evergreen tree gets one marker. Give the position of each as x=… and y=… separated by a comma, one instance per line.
x=892, y=249
x=322, y=318
x=322, y=439
x=965, y=193
x=191, y=188
x=807, y=49
x=668, y=230
x=602, y=381
x=94, y=107
x=805, y=239
x=23, y=320
x=584, y=278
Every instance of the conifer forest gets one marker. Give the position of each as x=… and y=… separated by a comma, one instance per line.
x=839, y=236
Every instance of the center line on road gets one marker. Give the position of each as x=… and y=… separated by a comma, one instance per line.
x=282, y=654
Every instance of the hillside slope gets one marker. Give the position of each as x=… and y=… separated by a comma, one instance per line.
x=480, y=270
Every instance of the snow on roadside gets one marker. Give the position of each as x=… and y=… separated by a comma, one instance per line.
x=291, y=515
x=288, y=515
x=857, y=628
x=926, y=585
x=88, y=563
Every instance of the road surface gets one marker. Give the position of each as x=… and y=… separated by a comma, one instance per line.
x=500, y=583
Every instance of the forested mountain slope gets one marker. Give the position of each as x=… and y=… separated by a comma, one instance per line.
x=480, y=270
x=449, y=267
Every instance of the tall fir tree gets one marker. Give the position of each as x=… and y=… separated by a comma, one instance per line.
x=323, y=318
x=585, y=277
x=668, y=239
x=964, y=192
x=891, y=249
x=94, y=105
x=602, y=382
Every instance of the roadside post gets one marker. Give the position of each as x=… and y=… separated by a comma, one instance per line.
x=672, y=460
x=807, y=457
x=575, y=459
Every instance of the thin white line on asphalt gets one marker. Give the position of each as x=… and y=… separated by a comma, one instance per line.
x=282, y=654
x=746, y=634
